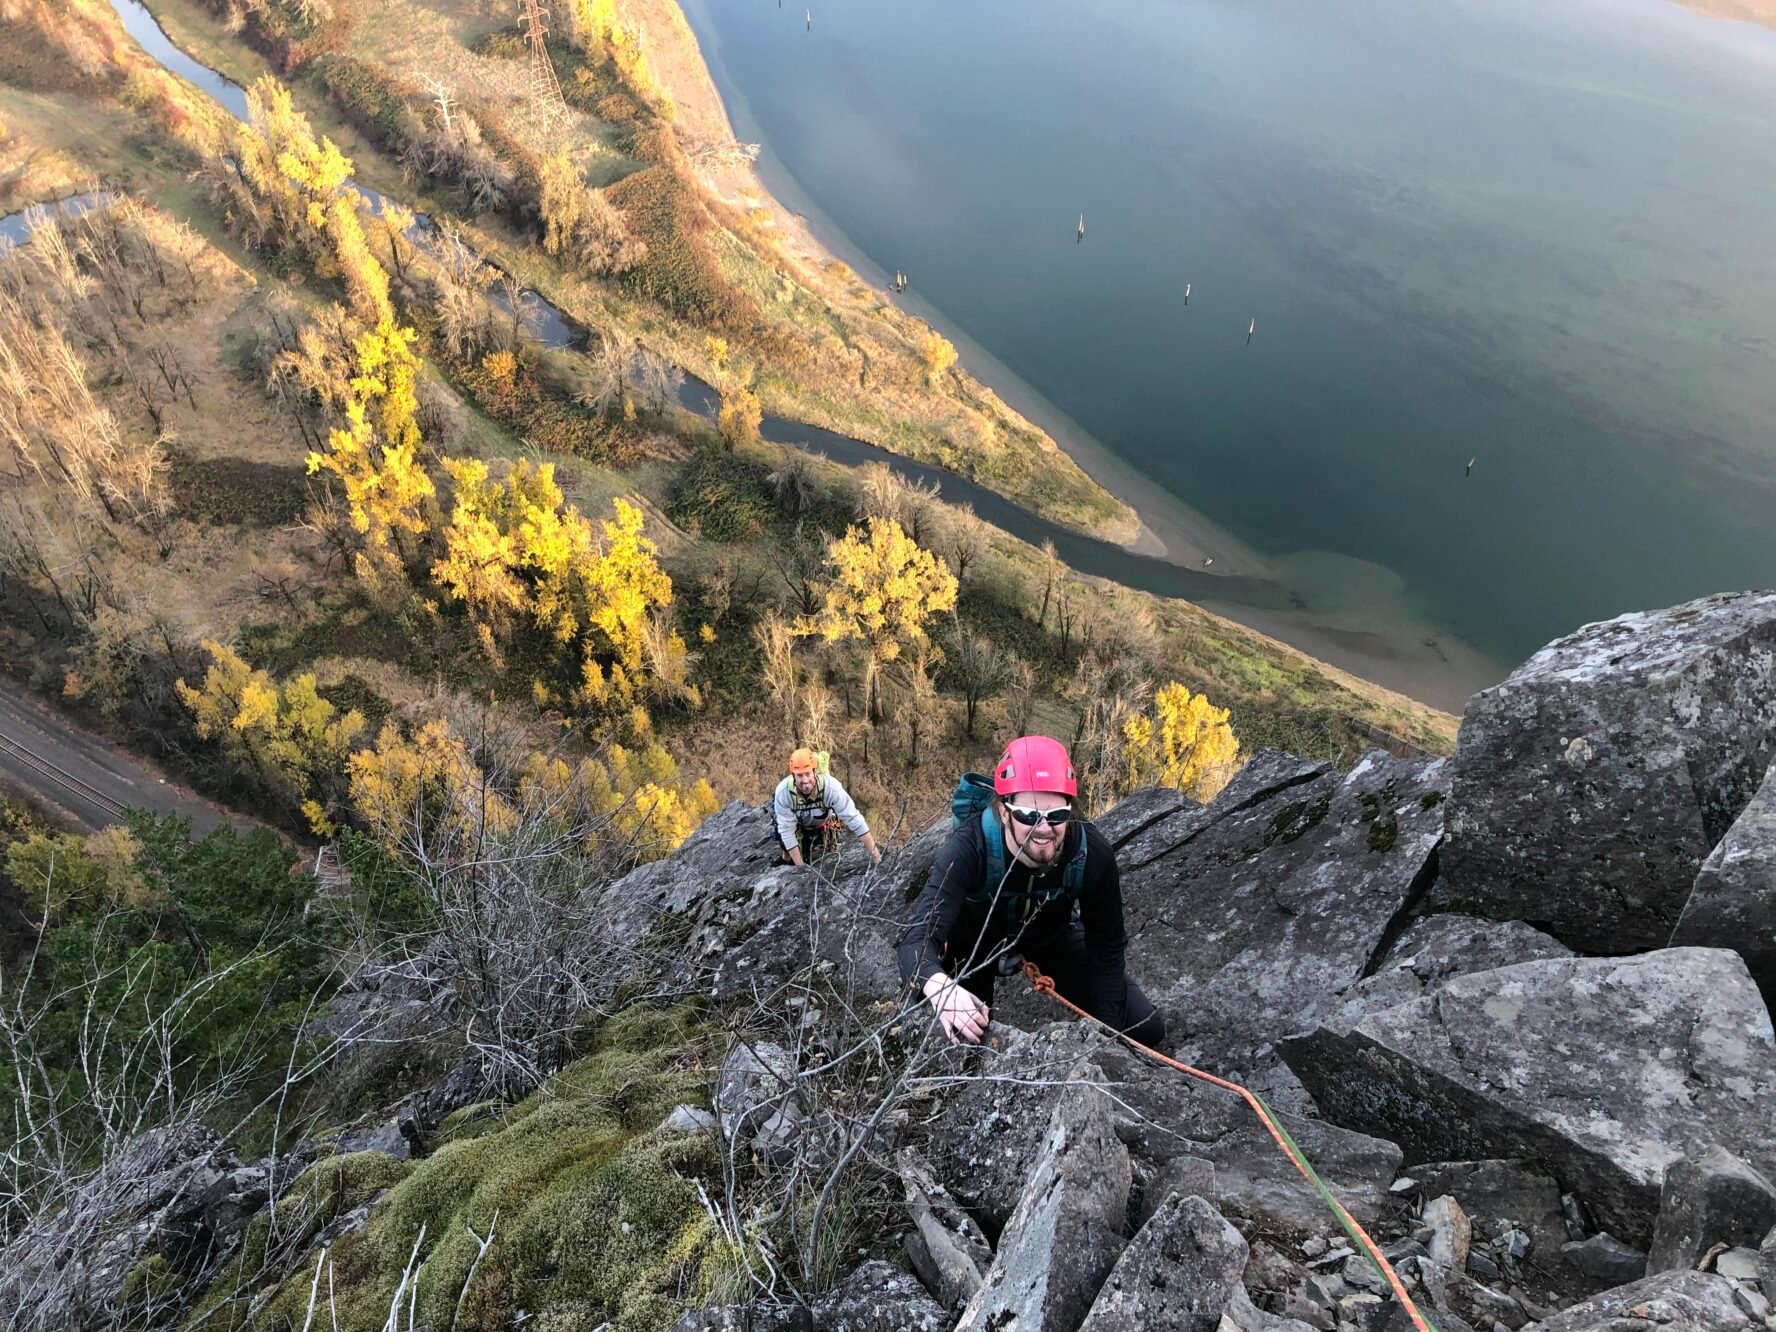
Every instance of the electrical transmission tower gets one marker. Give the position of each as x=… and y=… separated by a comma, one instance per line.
x=545, y=87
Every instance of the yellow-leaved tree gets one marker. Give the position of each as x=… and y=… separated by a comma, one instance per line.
x=302, y=180
x=287, y=737
x=376, y=456
x=937, y=354
x=740, y=416
x=1184, y=743
x=514, y=549
x=429, y=787
x=427, y=783
x=632, y=800
x=883, y=588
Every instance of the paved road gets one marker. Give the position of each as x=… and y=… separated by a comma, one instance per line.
x=92, y=779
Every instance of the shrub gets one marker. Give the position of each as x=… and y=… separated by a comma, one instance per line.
x=511, y=394
x=723, y=497
x=502, y=44
x=374, y=100
x=236, y=490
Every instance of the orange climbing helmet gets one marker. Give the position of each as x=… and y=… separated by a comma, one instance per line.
x=801, y=760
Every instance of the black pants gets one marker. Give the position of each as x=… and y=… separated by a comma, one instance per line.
x=1068, y=964
x=812, y=842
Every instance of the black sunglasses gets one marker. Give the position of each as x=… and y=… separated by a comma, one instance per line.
x=1031, y=818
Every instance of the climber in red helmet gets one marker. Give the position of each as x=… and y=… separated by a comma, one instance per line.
x=1006, y=883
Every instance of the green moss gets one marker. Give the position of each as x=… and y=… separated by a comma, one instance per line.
x=1383, y=833
x=149, y=1287
x=324, y=1192
x=723, y=497
x=1295, y=819
x=598, y=1217
x=1430, y=800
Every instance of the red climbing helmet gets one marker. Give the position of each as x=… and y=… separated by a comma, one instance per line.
x=1034, y=763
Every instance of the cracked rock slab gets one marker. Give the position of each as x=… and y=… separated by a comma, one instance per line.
x=1249, y=916
x=1593, y=782
x=1710, y=1198
x=1177, y=1275
x=1605, y=1070
x=991, y=1131
x=1669, y=1302
x=1733, y=901
x=1068, y=1229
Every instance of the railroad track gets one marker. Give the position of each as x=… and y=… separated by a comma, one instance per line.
x=62, y=779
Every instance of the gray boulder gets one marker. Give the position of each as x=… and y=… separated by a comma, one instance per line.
x=1435, y=949
x=1552, y=1061
x=755, y=1097
x=1069, y=1226
x=688, y=1119
x=1733, y=901
x=1709, y=1198
x=991, y=1131
x=1177, y=1275
x=1606, y=1260
x=722, y=914
x=1590, y=786
x=1267, y=903
x=945, y=1246
x=172, y=1192
x=879, y=1297
x=746, y=1318
x=1668, y=1302
x=1767, y=1264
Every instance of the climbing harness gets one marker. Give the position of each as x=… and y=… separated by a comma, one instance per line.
x=1045, y=985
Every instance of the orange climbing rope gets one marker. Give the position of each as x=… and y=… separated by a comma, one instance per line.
x=1044, y=985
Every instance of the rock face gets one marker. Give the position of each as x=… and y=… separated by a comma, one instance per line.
x=1670, y=1302
x=1710, y=1198
x=172, y=1192
x=1248, y=916
x=945, y=1246
x=879, y=1297
x=1733, y=902
x=722, y=915
x=1606, y=1070
x=992, y=1130
x=1178, y=1275
x=1435, y=949
x=1590, y=786
x=755, y=1098
x=1068, y=1229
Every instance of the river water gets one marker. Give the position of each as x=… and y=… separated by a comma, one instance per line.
x=1538, y=237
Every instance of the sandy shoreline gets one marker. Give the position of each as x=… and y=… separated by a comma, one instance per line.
x=1387, y=650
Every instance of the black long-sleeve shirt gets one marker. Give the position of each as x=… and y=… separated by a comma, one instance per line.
x=945, y=926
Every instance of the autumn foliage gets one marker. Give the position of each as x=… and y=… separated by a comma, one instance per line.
x=883, y=590
x=1184, y=743
x=515, y=552
x=286, y=737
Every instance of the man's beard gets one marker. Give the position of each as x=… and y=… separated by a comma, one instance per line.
x=1042, y=853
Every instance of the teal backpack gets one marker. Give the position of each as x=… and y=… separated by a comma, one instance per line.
x=973, y=799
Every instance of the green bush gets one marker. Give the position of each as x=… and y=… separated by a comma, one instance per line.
x=227, y=911
x=681, y=270
x=553, y=423
x=281, y=30
x=219, y=491
x=502, y=44
x=374, y=100
x=722, y=496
